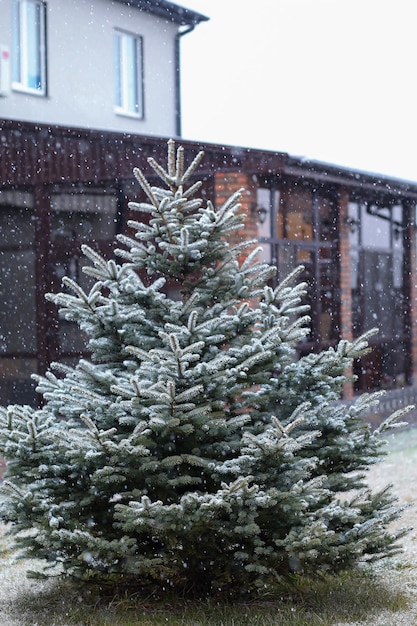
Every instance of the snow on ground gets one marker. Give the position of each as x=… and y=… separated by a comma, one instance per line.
x=400, y=469
x=15, y=586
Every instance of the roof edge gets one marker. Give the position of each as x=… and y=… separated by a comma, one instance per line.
x=168, y=10
x=350, y=176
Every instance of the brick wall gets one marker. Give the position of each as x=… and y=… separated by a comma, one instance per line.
x=225, y=185
x=345, y=279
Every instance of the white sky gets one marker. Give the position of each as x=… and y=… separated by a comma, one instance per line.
x=331, y=80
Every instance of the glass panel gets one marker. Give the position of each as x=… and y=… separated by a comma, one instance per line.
x=384, y=367
x=327, y=219
x=80, y=217
x=263, y=216
x=18, y=301
x=16, y=38
x=264, y=220
x=298, y=215
x=33, y=43
x=327, y=300
x=139, y=76
x=306, y=258
x=353, y=223
x=70, y=337
x=16, y=198
x=356, y=292
x=291, y=256
x=131, y=73
x=397, y=213
x=16, y=385
x=397, y=242
x=399, y=305
x=398, y=269
x=287, y=259
x=16, y=227
x=394, y=362
x=376, y=231
x=117, y=70
x=266, y=254
x=276, y=214
x=354, y=268
x=71, y=265
x=378, y=293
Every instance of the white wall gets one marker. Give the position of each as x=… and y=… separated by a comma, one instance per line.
x=80, y=81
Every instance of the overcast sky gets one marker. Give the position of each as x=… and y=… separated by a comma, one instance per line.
x=331, y=80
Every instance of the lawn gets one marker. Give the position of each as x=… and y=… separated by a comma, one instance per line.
x=383, y=595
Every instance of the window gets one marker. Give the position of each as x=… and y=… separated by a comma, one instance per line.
x=28, y=57
x=378, y=269
x=128, y=74
x=78, y=214
x=18, y=334
x=297, y=226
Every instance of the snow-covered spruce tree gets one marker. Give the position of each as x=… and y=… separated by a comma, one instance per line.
x=192, y=451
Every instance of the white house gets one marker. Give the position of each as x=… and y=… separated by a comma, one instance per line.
x=101, y=64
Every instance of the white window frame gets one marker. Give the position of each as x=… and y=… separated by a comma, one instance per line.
x=128, y=74
x=29, y=37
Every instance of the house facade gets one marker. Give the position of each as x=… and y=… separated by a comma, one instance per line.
x=88, y=91
x=354, y=234
x=105, y=64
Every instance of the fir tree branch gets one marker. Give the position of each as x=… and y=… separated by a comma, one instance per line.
x=140, y=177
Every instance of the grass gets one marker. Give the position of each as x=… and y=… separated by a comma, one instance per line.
x=322, y=602
x=384, y=594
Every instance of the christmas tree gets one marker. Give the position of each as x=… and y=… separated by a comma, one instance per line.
x=193, y=451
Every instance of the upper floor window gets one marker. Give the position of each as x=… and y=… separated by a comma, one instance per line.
x=128, y=74
x=28, y=57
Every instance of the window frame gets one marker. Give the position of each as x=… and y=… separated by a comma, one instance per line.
x=22, y=48
x=124, y=77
